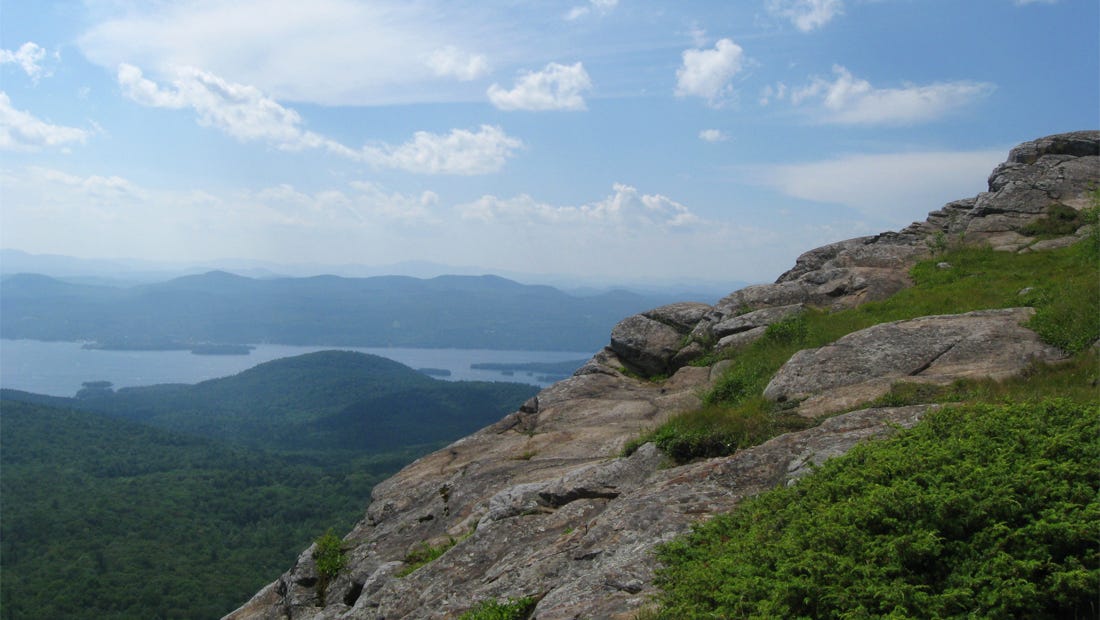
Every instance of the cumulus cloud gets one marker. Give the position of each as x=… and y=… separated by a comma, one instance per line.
x=247, y=114
x=713, y=135
x=29, y=57
x=22, y=131
x=598, y=6
x=450, y=61
x=706, y=73
x=896, y=187
x=848, y=100
x=461, y=152
x=241, y=111
x=625, y=206
x=806, y=15
x=556, y=87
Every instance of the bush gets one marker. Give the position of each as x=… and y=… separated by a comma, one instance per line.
x=330, y=560
x=982, y=511
x=512, y=609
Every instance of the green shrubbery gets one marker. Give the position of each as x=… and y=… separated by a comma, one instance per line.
x=330, y=559
x=512, y=609
x=986, y=511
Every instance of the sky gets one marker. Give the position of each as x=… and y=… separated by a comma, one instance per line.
x=608, y=140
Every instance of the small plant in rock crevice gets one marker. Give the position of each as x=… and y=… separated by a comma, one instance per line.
x=330, y=559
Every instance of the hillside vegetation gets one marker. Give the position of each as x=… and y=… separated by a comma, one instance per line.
x=105, y=518
x=180, y=501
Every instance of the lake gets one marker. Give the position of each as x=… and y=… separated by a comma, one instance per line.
x=60, y=368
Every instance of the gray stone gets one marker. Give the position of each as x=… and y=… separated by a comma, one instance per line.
x=862, y=366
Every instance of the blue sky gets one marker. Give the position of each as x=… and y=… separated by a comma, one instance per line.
x=617, y=140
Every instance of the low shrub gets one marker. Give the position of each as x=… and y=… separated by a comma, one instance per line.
x=512, y=609
x=978, y=511
x=330, y=559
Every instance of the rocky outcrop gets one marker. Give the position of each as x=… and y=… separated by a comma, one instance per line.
x=934, y=349
x=580, y=540
x=541, y=504
x=1049, y=172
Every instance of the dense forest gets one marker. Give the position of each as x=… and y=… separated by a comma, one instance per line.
x=486, y=312
x=159, y=502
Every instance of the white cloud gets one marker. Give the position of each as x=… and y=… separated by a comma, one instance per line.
x=245, y=113
x=330, y=52
x=22, y=131
x=239, y=110
x=599, y=6
x=29, y=57
x=625, y=207
x=450, y=61
x=713, y=135
x=707, y=73
x=896, y=187
x=848, y=100
x=556, y=87
x=807, y=15
x=460, y=152
x=1023, y=2
x=769, y=92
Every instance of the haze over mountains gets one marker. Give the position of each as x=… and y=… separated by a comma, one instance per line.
x=222, y=308
x=131, y=271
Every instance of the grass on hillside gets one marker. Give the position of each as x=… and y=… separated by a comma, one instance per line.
x=1062, y=285
x=979, y=511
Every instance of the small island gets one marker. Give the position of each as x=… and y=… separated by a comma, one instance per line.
x=221, y=349
x=549, y=371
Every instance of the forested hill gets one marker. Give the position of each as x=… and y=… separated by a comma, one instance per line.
x=110, y=519
x=218, y=307
x=319, y=401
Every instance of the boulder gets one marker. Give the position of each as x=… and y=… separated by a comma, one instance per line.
x=647, y=343
x=937, y=349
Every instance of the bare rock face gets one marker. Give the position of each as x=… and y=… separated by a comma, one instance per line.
x=581, y=540
x=936, y=349
x=540, y=504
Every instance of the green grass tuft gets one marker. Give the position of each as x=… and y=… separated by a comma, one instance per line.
x=512, y=609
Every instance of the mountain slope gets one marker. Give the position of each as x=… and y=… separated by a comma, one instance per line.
x=540, y=505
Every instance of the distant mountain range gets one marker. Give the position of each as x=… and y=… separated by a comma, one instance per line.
x=222, y=308
x=129, y=271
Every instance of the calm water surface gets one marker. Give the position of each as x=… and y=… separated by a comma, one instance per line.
x=59, y=368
